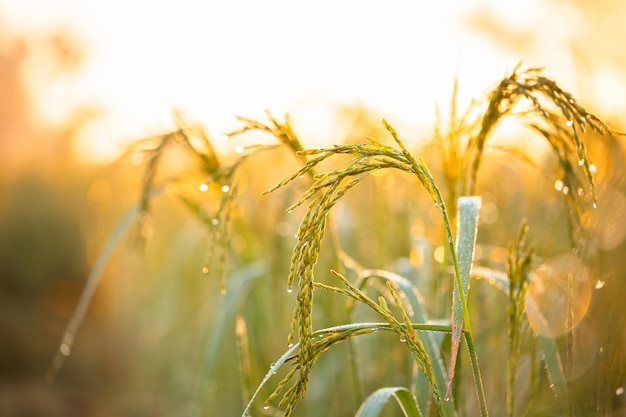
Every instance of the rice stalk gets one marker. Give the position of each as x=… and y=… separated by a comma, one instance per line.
x=519, y=269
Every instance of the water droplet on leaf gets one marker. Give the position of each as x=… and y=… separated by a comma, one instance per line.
x=65, y=349
x=204, y=187
x=558, y=185
x=225, y=188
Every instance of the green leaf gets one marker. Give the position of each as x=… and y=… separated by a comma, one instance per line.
x=374, y=404
x=90, y=287
x=241, y=281
x=553, y=365
x=467, y=224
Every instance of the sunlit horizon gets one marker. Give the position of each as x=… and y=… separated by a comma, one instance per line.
x=143, y=60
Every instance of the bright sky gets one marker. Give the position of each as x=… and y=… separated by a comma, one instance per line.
x=216, y=59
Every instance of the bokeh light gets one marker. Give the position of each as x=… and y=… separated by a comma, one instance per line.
x=561, y=286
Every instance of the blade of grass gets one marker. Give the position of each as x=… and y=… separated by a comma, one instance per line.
x=237, y=292
x=374, y=404
x=67, y=340
x=466, y=240
x=554, y=366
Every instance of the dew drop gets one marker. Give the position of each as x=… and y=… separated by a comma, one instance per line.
x=224, y=138
x=593, y=168
x=558, y=185
x=447, y=398
x=266, y=406
x=225, y=188
x=205, y=269
x=571, y=101
x=290, y=289
x=595, y=205
x=566, y=190
x=215, y=222
x=599, y=284
x=569, y=123
x=289, y=211
x=619, y=391
x=239, y=149
x=580, y=192
x=65, y=349
x=583, y=120
x=402, y=339
x=290, y=344
x=301, y=176
x=204, y=187
x=581, y=162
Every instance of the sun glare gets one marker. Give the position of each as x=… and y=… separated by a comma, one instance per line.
x=213, y=61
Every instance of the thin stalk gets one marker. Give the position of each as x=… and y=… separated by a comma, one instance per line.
x=569, y=350
x=477, y=379
x=354, y=371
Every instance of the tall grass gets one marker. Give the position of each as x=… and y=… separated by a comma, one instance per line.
x=360, y=299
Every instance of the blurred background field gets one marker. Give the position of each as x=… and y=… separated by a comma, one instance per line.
x=80, y=81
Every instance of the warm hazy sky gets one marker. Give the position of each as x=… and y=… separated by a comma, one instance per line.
x=215, y=59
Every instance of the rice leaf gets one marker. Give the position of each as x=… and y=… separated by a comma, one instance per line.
x=90, y=287
x=374, y=404
x=466, y=240
x=241, y=281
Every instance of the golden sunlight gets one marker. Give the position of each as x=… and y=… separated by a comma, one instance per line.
x=216, y=60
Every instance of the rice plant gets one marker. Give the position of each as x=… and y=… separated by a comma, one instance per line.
x=433, y=344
